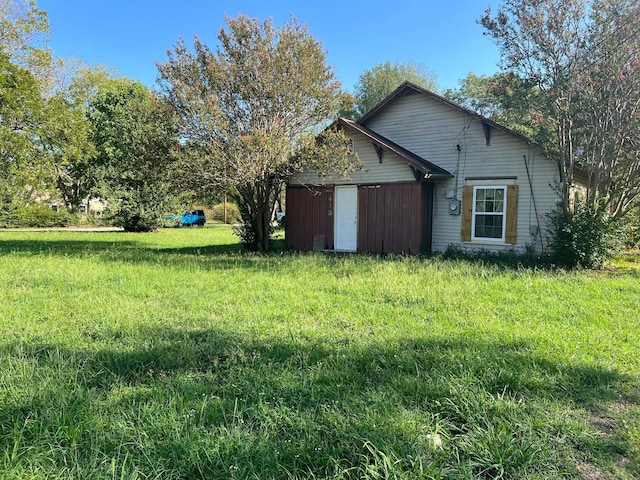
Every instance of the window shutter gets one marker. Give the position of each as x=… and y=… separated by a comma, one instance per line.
x=467, y=209
x=512, y=215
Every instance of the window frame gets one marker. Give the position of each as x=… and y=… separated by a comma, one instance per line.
x=474, y=214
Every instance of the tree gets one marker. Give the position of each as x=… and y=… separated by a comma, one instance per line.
x=583, y=58
x=24, y=29
x=608, y=95
x=375, y=84
x=543, y=42
x=21, y=109
x=249, y=109
x=134, y=134
x=504, y=98
x=77, y=85
x=44, y=127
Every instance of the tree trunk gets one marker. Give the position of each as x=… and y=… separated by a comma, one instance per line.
x=256, y=204
x=265, y=216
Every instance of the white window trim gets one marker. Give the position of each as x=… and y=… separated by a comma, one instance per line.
x=504, y=215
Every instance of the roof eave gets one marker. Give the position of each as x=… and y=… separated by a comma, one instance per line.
x=407, y=87
x=420, y=164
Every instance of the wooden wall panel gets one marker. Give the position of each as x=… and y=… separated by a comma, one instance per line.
x=378, y=245
x=372, y=193
x=291, y=219
x=392, y=218
x=398, y=219
x=362, y=219
x=405, y=240
x=329, y=207
x=309, y=213
x=389, y=220
x=428, y=190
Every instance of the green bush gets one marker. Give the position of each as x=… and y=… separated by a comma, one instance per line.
x=36, y=216
x=631, y=229
x=587, y=240
x=133, y=217
x=510, y=258
x=96, y=219
x=233, y=213
x=140, y=210
x=246, y=235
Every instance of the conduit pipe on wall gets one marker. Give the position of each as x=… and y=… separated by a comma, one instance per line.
x=535, y=208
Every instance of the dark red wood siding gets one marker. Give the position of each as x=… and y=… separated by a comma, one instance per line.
x=427, y=216
x=309, y=215
x=392, y=218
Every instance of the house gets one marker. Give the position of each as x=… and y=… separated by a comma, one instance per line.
x=434, y=175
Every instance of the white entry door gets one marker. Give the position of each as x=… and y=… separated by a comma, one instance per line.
x=346, y=210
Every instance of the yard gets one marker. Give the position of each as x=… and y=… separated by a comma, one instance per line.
x=174, y=355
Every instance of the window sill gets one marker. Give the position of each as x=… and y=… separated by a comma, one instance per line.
x=498, y=243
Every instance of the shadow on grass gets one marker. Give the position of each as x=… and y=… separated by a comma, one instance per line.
x=230, y=255
x=212, y=404
x=206, y=257
x=118, y=245
x=65, y=247
x=211, y=256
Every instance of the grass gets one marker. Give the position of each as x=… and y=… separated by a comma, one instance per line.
x=175, y=355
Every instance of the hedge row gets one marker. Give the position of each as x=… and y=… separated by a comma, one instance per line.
x=36, y=216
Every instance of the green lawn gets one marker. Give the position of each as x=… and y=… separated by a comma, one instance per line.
x=174, y=355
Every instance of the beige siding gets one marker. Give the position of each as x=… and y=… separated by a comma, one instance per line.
x=509, y=154
x=391, y=169
x=456, y=142
x=433, y=130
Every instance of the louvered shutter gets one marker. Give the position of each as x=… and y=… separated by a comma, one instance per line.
x=467, y=209
x=512, y=215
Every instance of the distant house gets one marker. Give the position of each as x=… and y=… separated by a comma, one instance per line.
x=435, y=175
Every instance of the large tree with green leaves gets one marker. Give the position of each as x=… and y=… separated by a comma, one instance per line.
x=543, y=42
x=24, y=30
x=583, y=58
x=375, y=84
x=134, y=134
x=43, y=125
x=21, y=112
x=22, y=107
x=503, y=97
x=249, y=109
x=77, y=85
x=608, y=97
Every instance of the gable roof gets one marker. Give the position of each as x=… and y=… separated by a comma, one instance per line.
x=417, y=162
x=408, y=88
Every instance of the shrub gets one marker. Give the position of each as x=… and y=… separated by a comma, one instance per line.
x=245, y=234
x=36, y=216
x=510, y=258
x=140, y=210
x=96, y=219
x=630, y=227
x=587, y=240
x=233, y=213
x=133, y=219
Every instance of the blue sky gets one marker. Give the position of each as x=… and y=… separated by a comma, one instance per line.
x=131, y=35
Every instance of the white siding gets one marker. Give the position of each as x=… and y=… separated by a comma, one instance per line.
x=391, y=169
x=433, y=130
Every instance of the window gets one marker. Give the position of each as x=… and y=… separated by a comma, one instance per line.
x=489, y=213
